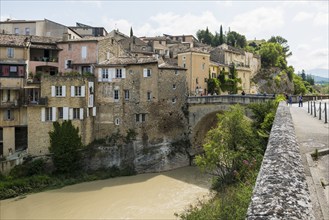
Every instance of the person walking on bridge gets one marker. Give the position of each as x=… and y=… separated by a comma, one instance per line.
x=300, y=100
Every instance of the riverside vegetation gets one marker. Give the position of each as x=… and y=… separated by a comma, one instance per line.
x=66, y=149
x=233, y=153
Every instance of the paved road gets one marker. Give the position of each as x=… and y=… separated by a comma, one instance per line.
x=312, y=134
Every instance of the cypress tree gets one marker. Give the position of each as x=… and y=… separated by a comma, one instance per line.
x=221, y=37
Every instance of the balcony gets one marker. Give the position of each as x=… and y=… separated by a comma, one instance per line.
x=42, y=101
x=10, y=104
x=45, y=59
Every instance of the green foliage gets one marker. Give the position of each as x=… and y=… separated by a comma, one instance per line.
x=299, y=85
x=131, y=136
x=236, y=40
x=272, y=55
x=227, y=145
x=229, y=84
x=283, y=42
x=213, y=85
x=30, y=168
x=65, y=145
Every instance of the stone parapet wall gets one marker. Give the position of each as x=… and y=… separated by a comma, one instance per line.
x=281, y=190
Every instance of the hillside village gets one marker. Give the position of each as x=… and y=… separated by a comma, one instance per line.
x=105, y=82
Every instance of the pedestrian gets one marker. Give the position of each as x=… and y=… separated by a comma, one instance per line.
x=300, y=100
x=290, y=100
x=287, y=98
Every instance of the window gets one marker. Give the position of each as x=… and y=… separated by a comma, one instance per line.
x=118, y=73
x=60, y=113
x=105, y=73
x=27, y=31
x=76, y=113
x=13, y=69
x=203, y=65
x=147, y=73
x=68, y=64
x=174, y=86
x=116, y=94
x=176, y=72
x=10, y=52
x=117, y=121
x=184, y=65
x=77, y=91
x=8, y=115
x=84, y=52
x=86, y=69
x=49, y=114
x=184, y=58
x=59, y=91
x=126, y=94
x=69, y=46
x=149, y=96
x=173, y=100
x=16, y=31
x=140, y=117
x=197, y=80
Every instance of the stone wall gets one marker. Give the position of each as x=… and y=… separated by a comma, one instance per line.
x=281, y=190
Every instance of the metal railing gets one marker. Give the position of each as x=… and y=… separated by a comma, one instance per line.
x=314, y=107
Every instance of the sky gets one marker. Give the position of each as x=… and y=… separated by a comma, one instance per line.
x=304, y=24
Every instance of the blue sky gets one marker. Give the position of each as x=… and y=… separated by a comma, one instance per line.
x=303, y=23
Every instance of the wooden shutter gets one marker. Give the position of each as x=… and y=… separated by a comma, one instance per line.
x=63, y=91
x=145, y=72
x=53, y=111
x=65, y=113
x=111, y=74
x=123, y=73
x=43, y=114
x=53, y=92
x=100, y=75
x=81, y=113
x=94, y=111
x=71, y=113
x=72, y=91
x=83, y=91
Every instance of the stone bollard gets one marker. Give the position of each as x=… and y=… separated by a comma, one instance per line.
x=320, y=111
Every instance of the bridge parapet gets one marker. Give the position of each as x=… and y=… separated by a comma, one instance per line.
x=281, y=190
x=228, y=99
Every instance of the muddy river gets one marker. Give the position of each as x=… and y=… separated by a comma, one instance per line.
x=144, y=196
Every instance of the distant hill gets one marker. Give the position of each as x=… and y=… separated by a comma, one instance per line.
x=318, y=72
x=321, y=80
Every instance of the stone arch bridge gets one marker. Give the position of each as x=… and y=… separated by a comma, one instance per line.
x=203, y=110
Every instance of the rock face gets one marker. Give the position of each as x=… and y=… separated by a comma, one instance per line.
x=272, y=81
x=151, y=158
x=281, y=190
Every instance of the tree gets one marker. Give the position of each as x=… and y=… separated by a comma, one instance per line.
x=283, y=42
x=272, y=55
x=221, y=36
x=303, y=75
x=131, y=32
x=236, y=40
x=228, y=146
x=299, y=85
x=65, y=144
x=205, y=36
x=213, y=85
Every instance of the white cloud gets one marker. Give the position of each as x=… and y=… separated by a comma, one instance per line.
x=319, y=53
x=302, y=47
x=321, y=19
x=260, y=20
x=121, y=24
x=170, y=23
x=302, y=16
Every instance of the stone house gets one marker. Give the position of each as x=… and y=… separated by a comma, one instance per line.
x=196, y=61
x=68, y=98
x=142, y=95
x=82, y=55
x=88, y=31
x=43, y=28
x=158, y=45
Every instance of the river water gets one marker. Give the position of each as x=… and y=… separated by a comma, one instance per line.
x=144, y=196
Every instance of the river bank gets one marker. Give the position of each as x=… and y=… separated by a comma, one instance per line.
x=143, y=196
